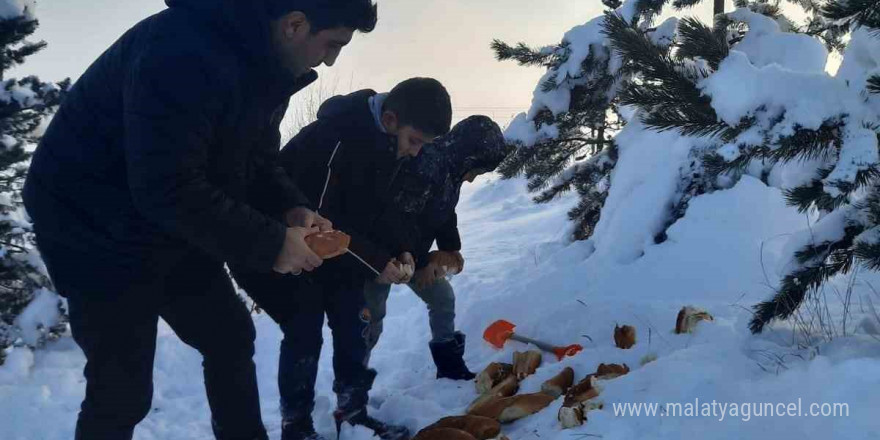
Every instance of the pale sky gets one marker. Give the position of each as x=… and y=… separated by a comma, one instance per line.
x=445, y=39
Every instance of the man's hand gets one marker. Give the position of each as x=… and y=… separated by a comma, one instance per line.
x=428, y=275
x=295, y=255
x=302, y=217
x=392, y=273
x=408, y=267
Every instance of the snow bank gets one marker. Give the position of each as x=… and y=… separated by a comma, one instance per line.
x=861, y=60
x=739, y=88
x=642, y=189
x=38, y=317
x=766, y=44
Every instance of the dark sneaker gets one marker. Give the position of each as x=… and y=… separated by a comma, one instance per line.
x=381, y=429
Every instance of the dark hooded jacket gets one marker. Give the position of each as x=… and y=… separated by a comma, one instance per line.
x=363, y=169
x=430, y=184
x=168, y=145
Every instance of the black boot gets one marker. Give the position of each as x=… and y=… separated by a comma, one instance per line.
x=301, y=429
x=381, y=429
x=449, y=358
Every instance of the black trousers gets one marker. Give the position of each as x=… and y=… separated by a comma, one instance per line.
x=299, y=304
x=117, y=332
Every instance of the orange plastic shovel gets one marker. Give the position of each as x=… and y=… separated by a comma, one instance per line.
x=502, y=331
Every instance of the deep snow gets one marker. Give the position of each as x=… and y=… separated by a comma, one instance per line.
x=721, y=256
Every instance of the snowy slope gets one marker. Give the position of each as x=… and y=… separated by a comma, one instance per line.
x=721, y=256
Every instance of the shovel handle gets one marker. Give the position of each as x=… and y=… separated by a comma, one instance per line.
x=560, y=352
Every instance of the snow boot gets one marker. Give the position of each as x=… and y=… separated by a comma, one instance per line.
x=383, y=430
x=449, y=358
x=299, y=430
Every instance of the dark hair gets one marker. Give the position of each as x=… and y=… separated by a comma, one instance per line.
x=421, y=103
x=360, y=15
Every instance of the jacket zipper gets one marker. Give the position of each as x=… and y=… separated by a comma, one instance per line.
x=321, y=203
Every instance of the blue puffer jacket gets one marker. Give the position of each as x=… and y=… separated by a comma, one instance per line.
x=167, y=146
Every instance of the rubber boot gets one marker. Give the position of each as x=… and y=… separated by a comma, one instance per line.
x=449, y=358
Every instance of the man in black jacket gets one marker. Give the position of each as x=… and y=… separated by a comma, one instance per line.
x=347, y=163
x=427, y=197
x=154, y=173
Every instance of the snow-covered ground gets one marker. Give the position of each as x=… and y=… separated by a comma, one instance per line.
x=722, y=256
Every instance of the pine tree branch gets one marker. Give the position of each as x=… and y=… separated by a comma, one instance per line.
x=854, y=12
x=700, y=41
x=523, y=54
x=832, y=258
x=668, y=93
x=874, y=84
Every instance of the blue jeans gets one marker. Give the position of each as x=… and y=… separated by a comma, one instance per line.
x=439, y=297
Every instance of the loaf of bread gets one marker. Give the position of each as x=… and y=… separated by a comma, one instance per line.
x=444, y=434
x=506, y=388
x=447, y=260
x=559, y=384
x=525, y=364
x=611, y=371
x=524, y=405
x=329, y=244
x=483, y=428
x=494, y=374
x=625, y=336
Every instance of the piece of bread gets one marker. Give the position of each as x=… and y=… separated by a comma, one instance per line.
x=689, y=317
x=624, y=337
x=610, y=371
x=482, y=428
x=559, y=384
x=447, y=260
x=571, y=416
x=481, y=406
x=407, y=269
x=524, y=405
x=444, y=434
x=329, y=244
x=574, y=416
x=525, y=364
x=494, y=374
x=490, y=407
x=582, y=392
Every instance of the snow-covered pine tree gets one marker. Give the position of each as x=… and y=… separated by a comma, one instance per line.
x=820, y=146
x=565, y=141
x=24, y=104
x=846, y=187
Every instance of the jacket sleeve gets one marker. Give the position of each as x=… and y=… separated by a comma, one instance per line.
x=448, y=238
x=272, y=190
x=172, y=106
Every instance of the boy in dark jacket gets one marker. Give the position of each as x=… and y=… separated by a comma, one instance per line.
x=348, y=163
x=141, y=190
x=431, y=185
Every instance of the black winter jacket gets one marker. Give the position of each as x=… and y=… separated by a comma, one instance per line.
x=163, y=141
x=430, y=184
x=363, y=169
